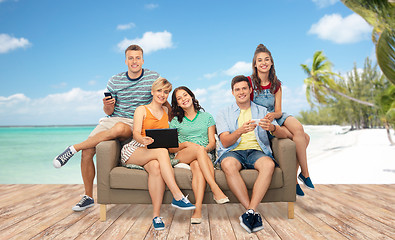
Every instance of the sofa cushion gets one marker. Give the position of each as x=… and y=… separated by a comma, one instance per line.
x=124, y=178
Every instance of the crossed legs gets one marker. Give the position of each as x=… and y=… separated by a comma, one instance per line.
x=143, y=155
x=197, y=152
x=198, y=187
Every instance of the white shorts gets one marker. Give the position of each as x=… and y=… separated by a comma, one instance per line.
x=128, y=150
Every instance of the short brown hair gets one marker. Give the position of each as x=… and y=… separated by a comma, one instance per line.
x=240, y=78
x=134, y=47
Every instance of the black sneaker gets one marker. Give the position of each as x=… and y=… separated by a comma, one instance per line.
x=62, y=158
x=247, y=220
x=84, y=203
x=257, y=224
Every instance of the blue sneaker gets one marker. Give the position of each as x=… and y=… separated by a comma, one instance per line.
x=183, y=204
x=158, y=223
x=307, y=181
x=257, y=224
x=299, y=191
x=247, y=220
x=84, y=203
x=62, y=158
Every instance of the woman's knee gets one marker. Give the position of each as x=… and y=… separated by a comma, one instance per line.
x=153, y=168
x=307, y=137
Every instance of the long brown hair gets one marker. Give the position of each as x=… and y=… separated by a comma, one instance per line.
x=176, y=110
x=275, y=82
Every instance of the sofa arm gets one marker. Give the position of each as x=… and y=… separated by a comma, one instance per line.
x=107, y=158
x=284, y=152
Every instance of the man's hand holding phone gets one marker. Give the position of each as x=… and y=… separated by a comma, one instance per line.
x=108, y=100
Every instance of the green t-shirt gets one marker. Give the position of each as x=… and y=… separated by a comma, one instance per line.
x=195, y=130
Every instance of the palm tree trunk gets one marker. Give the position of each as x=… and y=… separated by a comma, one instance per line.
x=387, y=127
x=350, y=98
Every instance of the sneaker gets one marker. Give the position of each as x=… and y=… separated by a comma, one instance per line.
x=257, y=224
x=299, y=191
x=183, y=204
x=84, y=203
x=62, y=159
x=247, y=220
x=158, y=223
x=307, y=181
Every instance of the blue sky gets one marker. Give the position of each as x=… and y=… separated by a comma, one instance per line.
x=57, y=56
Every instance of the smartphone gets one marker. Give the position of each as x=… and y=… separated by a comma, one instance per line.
x=256, y=121
x=108, y=94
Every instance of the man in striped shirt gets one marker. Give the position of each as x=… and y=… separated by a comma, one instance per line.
x=128, y=91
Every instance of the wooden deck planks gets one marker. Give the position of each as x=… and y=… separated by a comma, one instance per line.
x=329, y=212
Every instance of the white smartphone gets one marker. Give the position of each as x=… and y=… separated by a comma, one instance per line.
x=256, y=121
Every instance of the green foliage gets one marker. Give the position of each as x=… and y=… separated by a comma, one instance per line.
x=365, y=85
x=381, y=15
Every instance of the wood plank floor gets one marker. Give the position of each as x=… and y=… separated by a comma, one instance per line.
x=329, y=212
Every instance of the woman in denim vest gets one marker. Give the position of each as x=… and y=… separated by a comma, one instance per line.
x=267, y=92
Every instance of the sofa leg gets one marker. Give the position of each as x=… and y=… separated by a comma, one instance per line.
x=290, y=210
x=103, y=212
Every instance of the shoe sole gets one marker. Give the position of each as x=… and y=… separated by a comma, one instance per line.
x=257, y=229
x=243, y=225
x=305, y=183
x=158, y=229
x=183, y=208
x=82, y=208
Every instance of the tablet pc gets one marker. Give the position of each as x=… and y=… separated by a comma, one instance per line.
x=163, y=138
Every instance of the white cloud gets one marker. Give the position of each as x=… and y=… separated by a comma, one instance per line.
x=126, y=26
x=213, y=98
x=340, y=30
x=60, y=85
x=73, y=107
x=151, y=6
x=239, y=68
x=92, y=82
x=325, y=3
x=150, y=42
x=78, y=106
x=8, y=43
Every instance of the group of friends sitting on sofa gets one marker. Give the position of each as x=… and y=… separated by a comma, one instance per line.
x=138, y=101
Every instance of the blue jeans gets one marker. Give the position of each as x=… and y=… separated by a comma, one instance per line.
x=247, y=158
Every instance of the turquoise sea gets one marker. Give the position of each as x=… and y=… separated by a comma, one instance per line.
x=26, y=154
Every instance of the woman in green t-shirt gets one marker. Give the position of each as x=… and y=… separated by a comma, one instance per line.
x=196, y=130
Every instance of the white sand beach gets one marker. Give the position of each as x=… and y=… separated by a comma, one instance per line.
x=356, y=157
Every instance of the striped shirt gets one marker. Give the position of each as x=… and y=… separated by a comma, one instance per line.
x=131, y=93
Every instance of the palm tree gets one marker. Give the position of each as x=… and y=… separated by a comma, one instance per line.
x=381, y=15
x=387, y=109
x=320, y=82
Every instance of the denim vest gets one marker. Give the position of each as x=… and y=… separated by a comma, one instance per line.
x=266, y=98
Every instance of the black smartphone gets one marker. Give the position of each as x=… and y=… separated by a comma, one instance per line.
x=107, y=94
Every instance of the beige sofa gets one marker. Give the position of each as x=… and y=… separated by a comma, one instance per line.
x=117, y=184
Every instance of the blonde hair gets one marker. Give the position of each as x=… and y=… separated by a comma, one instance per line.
x=161, y=83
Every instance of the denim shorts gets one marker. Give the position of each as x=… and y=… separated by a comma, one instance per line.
x=247, y=158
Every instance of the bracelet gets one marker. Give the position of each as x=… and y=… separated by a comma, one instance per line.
x=271, y=132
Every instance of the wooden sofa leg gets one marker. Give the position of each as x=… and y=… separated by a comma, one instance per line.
x=103, y=212
x=290, y=210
